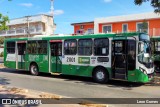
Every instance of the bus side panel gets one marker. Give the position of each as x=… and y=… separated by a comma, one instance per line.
x=28, y=62
x=40, y=60
x=137, y=76
x=82, y=65
x=9, y=61
x=109, y=71
x=10, y=64
x=77, y=70
x=132, y=75
x=141, y=77
x=43, y=63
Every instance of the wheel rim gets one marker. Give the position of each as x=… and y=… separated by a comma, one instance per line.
x=34, y=69
x=100, y=75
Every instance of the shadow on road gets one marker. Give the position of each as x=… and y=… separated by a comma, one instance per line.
x=4, y=81
x=84, y=80
x=6, y=92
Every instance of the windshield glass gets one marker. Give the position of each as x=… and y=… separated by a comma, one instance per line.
x=144, y=37
x=144, y=51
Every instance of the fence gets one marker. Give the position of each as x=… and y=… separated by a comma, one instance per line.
x=20, y=31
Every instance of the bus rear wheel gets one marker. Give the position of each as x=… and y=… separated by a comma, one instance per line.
x=100, y=75
x=34, y=69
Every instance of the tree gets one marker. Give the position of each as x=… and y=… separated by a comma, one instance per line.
x=145, y=26
x=154, y=3
x=2, y=40
x=3, y=21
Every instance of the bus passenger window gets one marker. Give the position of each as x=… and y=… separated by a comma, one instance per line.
x=101, y=47
x=85, y=47
x=11, y=47
x=32, y=47
x=37, y=47
x=70, y=47
x=42, y=47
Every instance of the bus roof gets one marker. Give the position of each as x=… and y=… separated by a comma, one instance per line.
x=45, y=37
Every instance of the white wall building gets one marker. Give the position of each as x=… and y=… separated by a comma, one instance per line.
x=38, y=25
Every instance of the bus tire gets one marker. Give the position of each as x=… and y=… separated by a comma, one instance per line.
x=34, y=69
x=100, y=75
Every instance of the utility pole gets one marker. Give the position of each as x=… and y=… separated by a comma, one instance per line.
x=28, y=29
x=52, y=8
x=52, y=14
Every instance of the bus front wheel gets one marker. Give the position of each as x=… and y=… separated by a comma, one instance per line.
x=100, y=75
x=34, y=69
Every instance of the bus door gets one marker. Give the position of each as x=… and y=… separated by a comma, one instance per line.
x=119, y=59
x=56, y=56
x=21, y=54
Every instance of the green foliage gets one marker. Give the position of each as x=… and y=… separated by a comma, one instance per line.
x=145, y=26
x=154, y=3
x=2, y=40
x=138, y=2
x=1, y=54
x=3, y=21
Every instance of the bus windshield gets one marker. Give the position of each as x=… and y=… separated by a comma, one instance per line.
x=144, y=51
x=144, y=37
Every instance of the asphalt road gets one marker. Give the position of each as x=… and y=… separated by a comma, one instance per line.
x=78, y=87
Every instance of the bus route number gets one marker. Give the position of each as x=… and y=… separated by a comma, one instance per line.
x=70, y=59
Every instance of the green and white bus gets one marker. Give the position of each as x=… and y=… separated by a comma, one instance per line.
x=156, y=52
x=125, y=56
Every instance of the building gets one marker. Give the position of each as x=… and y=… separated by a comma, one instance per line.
x=145, y=22
x=29, y=26
x=83, y=28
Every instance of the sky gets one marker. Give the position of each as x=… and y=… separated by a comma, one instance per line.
x=72, y=11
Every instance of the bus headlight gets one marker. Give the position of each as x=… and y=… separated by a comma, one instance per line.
x=144, y=71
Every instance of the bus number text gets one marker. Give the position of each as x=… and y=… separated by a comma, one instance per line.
x=70, y=59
